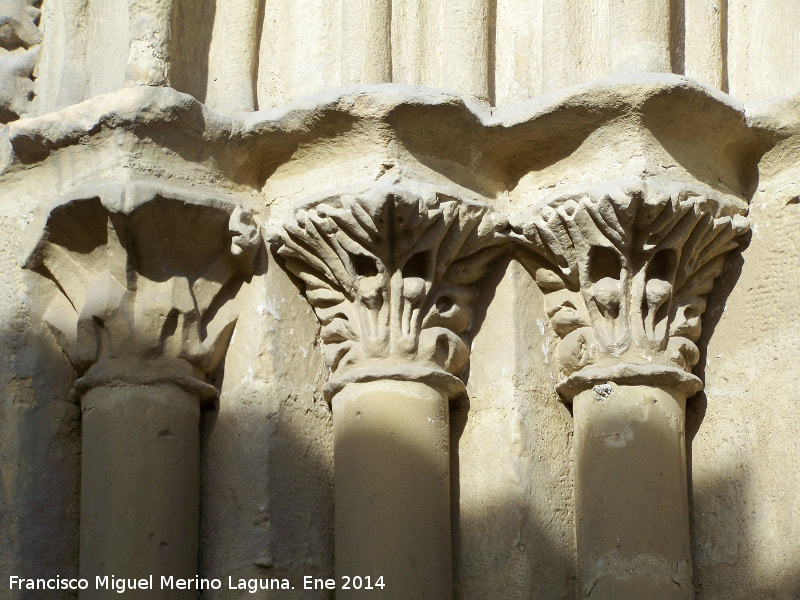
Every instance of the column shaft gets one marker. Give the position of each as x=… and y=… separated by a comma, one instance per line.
x=149, y=23
x=232, y=57
x=392, y=482
x=139, y=486
x=630, y=494
x=366, y=41
x=639, y=36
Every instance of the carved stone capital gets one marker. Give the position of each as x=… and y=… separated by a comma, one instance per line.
x=146, y=276
x=626, y=268
x=390, y=275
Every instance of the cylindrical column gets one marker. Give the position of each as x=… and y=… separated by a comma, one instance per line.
x=300, y=50
x=644, y=256
x=149, y=24
x=518, y=50
x=705, y=42
x=366, y=41
x=631, y=503
x=412, y=40
x=394, y=342
x=130, y=322
x=640, y=36
x=392, y=489
x=232, y=57
x=574, y=42
x=463, y=47
x=139, y=486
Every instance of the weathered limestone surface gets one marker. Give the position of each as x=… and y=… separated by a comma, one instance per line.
x=144, y=316
x=390, y=274
x=40, y=447
x=267, y=460
x=744, y=463
x=20, y=39
x=637, y=116
x=625, y=269
x=245, y=55
x=513, y=523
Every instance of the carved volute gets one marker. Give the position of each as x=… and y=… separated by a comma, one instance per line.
x=390, y=275
x=626, y=268
x=143, y=273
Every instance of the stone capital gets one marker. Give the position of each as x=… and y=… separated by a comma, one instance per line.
x=626, y=268
x=146, y=275
x=390, y=274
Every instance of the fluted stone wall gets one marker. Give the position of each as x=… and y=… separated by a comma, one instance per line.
x=255, y=55
x=267, y=105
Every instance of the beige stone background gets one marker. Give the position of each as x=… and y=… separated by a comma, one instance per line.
x=249, y=98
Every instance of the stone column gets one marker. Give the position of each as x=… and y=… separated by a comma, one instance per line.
x=625, y=270
x=392, y=481
x=390, y=275
x=139, y=485
x=145, y=316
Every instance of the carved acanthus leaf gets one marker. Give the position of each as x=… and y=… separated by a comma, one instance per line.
x=626, y=269
x=144, y=273
x=390, y=274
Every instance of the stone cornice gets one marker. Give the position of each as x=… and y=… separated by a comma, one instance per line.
x=496, y=146
x=390, y=274
x=144, y=272
x=625, y=269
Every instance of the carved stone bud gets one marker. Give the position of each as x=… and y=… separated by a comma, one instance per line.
x=145, y=274
x=390, y=275
x=626, y=269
